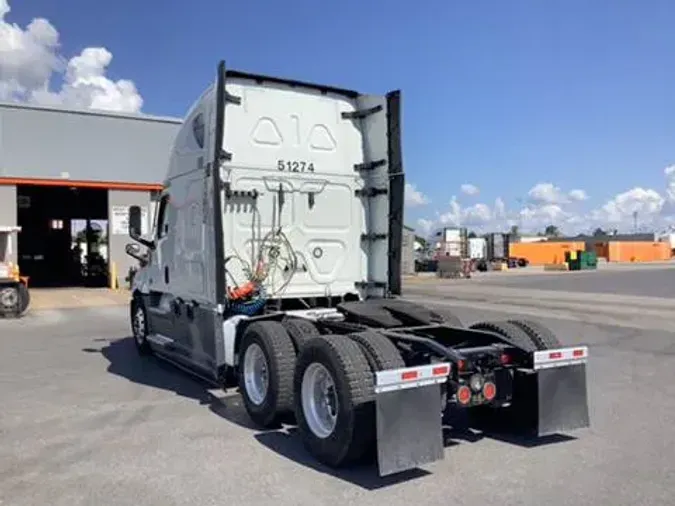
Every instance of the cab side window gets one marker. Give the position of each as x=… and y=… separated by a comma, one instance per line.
x=198, y=129
x=162, y=217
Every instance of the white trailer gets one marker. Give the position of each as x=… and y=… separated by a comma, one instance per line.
x=275, y=260
x=477, y=248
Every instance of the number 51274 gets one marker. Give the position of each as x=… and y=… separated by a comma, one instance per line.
x=295, y=166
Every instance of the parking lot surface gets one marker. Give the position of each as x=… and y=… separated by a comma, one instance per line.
x=642, y=280
x=85, y=421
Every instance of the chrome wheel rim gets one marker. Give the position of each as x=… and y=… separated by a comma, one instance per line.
x=256, y=376
x=139, y=325
x=9, y=298
x=319, y=400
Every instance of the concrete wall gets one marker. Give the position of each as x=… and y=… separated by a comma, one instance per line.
x=118, y=201
x=408, y=251
x=58, y=143
x=8, y=214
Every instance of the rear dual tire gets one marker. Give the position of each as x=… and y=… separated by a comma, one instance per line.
x=337, y=423
x=266, y=371
x=329, y=386
x=527, y=335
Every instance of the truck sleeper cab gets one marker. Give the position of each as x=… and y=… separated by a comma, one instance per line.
x=274, y=265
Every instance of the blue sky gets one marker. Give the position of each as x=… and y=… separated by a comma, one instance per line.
x=501, y=95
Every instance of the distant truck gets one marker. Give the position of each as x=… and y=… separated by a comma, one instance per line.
x=274, y=265
x=14, y=295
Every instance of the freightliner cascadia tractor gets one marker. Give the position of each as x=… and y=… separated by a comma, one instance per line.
x=274, y=266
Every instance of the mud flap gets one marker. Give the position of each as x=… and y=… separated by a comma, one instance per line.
x=553, y=397
x=562, y=399
x=408, y=417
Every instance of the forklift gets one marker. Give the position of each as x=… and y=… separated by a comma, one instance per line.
x=14, y=295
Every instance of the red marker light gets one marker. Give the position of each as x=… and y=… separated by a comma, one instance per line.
x=443, y=370
x=409, y=375
x=578, y=353
x=555, y=355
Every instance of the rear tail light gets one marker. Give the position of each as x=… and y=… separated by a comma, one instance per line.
x=464, y=395
x=489, y=391
x=505, y=359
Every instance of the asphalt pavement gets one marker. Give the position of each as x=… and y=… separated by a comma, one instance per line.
x=85, y=421
x=643, y=280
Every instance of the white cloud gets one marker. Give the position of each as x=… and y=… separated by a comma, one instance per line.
x=478, y=217
x=30, y=58
x=469, y=189
x=577, y=195
x=425, y=226
x=537, y=217
x=548, y=204
x=669, y=172
x=619, y=210
x=453, y=216
x=413, y=197
x=499, y=209
x=547, y=193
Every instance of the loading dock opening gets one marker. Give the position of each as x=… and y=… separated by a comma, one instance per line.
x=64, y=235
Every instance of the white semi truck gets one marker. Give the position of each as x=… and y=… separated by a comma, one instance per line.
x=274, y=265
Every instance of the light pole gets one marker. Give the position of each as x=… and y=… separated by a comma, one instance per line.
x=635, y=222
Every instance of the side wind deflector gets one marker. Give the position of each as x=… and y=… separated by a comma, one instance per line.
x=396, y=189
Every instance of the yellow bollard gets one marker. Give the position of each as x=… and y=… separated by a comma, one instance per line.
x=113, y=276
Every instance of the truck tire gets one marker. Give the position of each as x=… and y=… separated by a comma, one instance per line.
x=24, y=298
x=300, y=330
x=380, y=352
x=10, y=300
x=139, y=326
x=383, y=355
x=542, y=337
x=334, y=393
x=512, y=333
x=266, y=365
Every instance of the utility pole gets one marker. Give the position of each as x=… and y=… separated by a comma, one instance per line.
x=635, y=222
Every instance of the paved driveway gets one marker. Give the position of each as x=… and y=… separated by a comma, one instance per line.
x=85, y=421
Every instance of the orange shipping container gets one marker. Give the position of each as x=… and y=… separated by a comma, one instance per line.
x=638, y=251
x=542, y=253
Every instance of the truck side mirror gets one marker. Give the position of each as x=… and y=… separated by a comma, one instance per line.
x=134, y=251
x=135, y=229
